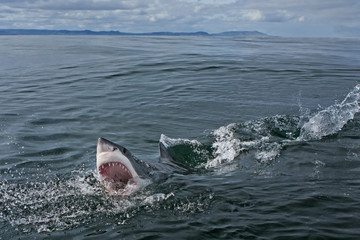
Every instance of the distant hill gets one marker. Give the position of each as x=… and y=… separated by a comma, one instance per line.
x=89, y=32
x=240, y=33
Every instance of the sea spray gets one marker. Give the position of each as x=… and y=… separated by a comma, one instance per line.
x=332, y=119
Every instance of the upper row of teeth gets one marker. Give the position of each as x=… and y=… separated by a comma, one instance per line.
x=115, y=164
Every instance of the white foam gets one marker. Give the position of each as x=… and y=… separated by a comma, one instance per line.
x=158, y=197
x=270, y=153
x=227, y=147
x=168, y=142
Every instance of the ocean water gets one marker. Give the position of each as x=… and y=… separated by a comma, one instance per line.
x=268, y=127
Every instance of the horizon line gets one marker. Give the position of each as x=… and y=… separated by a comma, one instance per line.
x=21, y=31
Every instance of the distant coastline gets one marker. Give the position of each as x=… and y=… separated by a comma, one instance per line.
x=118, y=33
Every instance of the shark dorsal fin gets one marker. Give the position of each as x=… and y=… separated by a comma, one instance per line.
x=166, y=158
x=164, y=154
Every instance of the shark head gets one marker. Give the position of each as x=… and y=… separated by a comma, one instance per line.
x=117, y=167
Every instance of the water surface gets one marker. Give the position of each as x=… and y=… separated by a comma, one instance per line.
x=269, y=127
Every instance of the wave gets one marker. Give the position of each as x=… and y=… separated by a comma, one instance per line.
x=267, y=136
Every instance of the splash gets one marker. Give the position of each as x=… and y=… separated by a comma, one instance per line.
x=259, y=135
x=48, y=206
x=168, y=142
x=226, y=146
x=157, y=198
x=61, y=204
x=266, y=137
x=332, y=119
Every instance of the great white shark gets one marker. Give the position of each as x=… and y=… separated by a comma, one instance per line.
x=119, y=168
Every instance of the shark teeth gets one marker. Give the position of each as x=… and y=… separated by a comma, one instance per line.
x=113, y=164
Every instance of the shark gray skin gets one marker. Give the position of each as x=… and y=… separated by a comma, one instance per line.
x=118, y=168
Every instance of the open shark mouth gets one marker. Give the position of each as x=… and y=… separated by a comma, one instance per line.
x=115, y=172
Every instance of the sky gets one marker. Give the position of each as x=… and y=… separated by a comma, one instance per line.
x=293, y=18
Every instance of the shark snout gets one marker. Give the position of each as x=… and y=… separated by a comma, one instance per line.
x=100, y=146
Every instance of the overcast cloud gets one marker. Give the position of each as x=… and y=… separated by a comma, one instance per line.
x=334, y=18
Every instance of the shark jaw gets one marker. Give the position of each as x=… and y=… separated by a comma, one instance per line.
x=114, y=166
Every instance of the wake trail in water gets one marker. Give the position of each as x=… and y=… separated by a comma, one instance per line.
x=266, y=136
